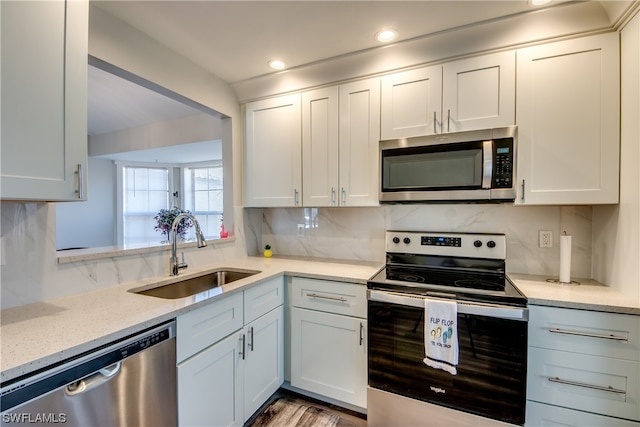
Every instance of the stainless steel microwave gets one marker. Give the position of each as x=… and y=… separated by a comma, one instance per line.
x=472, y=166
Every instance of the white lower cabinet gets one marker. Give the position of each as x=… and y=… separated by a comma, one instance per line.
x=223, y=381
x=328, y=342
x=210, y=386
x=583, y=368
x=263, y=359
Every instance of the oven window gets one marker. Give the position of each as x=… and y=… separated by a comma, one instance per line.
x=491, y=379
x=429, y=168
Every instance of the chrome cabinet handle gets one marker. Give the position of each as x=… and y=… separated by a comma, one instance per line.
x=251, y=338
x=585, y=385
x=344, y=196
x=434, y=122
x=448, y=120
x=361, y=335
x=295, y=197
x=522, y=195
x=313, y=295
x=80, y=190
x=587, y=334
x=242, y=349
x=333, y=196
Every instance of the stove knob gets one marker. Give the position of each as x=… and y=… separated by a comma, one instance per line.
x=396, y=240
x=477, y=243
x=406, y=240
x=491, y=244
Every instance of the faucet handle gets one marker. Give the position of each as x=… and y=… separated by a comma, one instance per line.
x=183, y=264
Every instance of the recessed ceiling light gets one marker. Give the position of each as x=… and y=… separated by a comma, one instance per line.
x=277, y=64
x=385, y=36
x=536, y=3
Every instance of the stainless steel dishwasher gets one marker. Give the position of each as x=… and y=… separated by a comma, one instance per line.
x=131, y=382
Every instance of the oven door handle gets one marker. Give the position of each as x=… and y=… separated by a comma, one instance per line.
x=477, y=309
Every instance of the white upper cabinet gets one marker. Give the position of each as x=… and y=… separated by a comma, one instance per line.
x=411, y=103
x=359, y=138
x=44, y=100
x=568, y=117
x=479, y=93
x=469, y=94
x=273, y=162
x=340, y=134
x=320, y=147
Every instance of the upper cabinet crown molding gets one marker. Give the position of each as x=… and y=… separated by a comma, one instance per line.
x=568, y=116
x=569, y=19
x=44, y=100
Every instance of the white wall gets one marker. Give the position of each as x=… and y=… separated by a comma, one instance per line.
x=90, y=224
x=616, y=229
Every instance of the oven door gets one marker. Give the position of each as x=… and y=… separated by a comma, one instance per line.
x=492, y=362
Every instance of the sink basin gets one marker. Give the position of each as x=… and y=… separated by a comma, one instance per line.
x=195, y=285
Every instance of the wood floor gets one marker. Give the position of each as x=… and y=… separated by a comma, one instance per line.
x=348, y=417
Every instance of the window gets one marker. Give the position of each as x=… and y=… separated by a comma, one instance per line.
x=145, y=189
x=203, y=190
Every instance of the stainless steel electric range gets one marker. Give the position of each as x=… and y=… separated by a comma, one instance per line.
x=490, y=383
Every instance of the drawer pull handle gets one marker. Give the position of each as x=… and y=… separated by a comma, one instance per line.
x=591, y=386
x=587, y=334
x=341, y=299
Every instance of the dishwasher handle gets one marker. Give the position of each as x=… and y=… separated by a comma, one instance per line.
x=94, y=380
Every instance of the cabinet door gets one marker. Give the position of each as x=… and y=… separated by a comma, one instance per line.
x=479, y=93
x=568, y=121
x=411, y=103
x=329, y=355
x=273, y=164
x=44, y=100
x=210, y=385
x=264, y=359
x=320, y=147
x=359, y=132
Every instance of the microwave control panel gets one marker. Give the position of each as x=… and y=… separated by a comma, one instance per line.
x=503, y=163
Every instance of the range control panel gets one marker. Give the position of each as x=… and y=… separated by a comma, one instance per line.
x=474, y=245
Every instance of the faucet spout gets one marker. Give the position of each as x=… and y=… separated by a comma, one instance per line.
x=175, y=265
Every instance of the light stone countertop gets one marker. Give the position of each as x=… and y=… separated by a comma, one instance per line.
x=588, y=295
x=37, y=335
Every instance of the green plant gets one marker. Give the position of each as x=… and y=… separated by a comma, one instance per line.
x=165, y=218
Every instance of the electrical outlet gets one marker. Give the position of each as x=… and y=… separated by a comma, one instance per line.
x=545, y=239
x=300, y=230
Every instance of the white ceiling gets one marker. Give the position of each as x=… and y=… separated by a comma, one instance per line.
x=234, y=40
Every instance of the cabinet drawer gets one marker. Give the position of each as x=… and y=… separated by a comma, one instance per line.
x=590, y=383
x=588, y=332
x=539, y=414
x=349, y=299
x=263, y=298
x=198, y=329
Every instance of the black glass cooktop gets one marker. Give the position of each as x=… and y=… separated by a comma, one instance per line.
x=461, y=278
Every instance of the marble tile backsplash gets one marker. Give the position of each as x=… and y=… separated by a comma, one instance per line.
x=30, y=272
x=358, y=233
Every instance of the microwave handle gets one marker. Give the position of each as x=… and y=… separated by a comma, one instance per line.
x=487, y=163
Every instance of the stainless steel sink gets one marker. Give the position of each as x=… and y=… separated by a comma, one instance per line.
x=195, y=285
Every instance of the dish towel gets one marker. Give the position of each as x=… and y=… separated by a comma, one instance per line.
x=441, y=334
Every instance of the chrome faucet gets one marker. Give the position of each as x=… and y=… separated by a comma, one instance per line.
x=175, y=265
